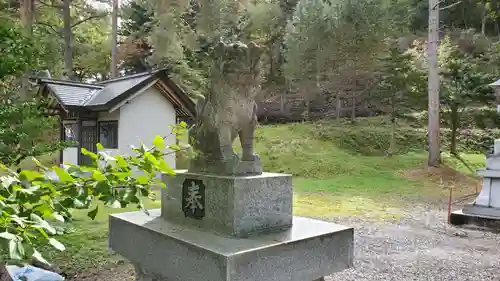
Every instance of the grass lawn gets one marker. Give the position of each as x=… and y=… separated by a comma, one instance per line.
x=328, y=181
x=86, y=241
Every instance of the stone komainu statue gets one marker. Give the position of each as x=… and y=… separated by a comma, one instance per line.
x=229, y=110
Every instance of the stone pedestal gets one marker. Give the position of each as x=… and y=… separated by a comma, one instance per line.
x=487, y=204
x=163, y=250
x=236, y=206
x=224, y=228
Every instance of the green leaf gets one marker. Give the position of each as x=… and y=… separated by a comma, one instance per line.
x=67, y=203
x=121, y=161
x=44, y=234
x=92, y=214
x=145, y=191
x=106, y=157
x=115, y=204
x=89, y=154
x=7, y=236
x=18, y=220
x=57, y=244
x=174, y=147
x=141, y=206
x=38, y=163
x=78, y=204
x=44, y=209
x=165, y=168
x=30, y=175
x=16, y=249
x=58, y=217
x=159, y=142
x=63, y=175
x=43, y=223
x=98, y=176
x=36, y=255
x=99, y=146
x=142, y=179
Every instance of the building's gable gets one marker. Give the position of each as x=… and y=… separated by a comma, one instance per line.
x=112, y=94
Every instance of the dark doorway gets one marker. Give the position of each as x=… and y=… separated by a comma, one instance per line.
x=88, y=140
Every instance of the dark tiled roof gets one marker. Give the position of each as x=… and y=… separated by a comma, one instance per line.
x=106, y=94
x=115, y=88
x=72, y=94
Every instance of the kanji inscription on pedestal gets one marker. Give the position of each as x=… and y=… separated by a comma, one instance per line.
x=193, y=198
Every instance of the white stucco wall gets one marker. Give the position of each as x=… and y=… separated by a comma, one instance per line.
x=70, y=155
x=143, y=118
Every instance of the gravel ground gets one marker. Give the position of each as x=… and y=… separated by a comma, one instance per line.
x=420, y=247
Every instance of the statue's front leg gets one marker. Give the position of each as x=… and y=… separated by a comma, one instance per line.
x=246, y=136
x=225, y=142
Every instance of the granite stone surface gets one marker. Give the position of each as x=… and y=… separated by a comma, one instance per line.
x=481, y=211
x=238, y=206
x=493, y=162
x=167, y=251
x=489, y=197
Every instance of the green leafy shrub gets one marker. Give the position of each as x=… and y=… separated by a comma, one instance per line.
x=30, y=200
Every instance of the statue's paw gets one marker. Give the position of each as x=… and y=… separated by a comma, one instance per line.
x=231, y=158
x=252, y=158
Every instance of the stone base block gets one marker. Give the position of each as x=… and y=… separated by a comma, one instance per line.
x=472, y=209
x=493, y=162
x=460, y=218
x=233, y=205
x=162, y=250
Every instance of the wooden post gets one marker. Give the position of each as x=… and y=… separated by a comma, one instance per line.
x=449, y=204
x=62, y=134
x=79, y=136
x=433, y=86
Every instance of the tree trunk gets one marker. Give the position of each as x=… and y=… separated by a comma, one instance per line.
x=275, y=77
x=282, y=103
x=114, y=40
x=308, y=109
x=454, y=128
x=27, y=18
x=287, y=9
x=68, y=38
x=484, y=19
x=494, y=6
x=392, y=140
x=27, y=14
x=338, y=106
x=353, y=108
x=433, y=85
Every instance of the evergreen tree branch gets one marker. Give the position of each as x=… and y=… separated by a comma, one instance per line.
x=51, y=27
x=87, y=19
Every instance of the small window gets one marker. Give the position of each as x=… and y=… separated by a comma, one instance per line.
x=108, y=134
x=71, y=133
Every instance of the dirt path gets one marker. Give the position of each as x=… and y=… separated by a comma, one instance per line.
x=420, y=247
